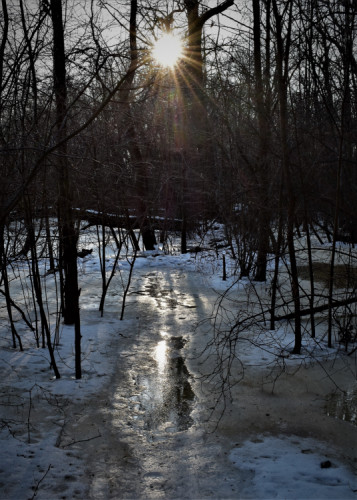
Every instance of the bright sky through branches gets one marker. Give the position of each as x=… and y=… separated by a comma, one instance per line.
x=167, y=50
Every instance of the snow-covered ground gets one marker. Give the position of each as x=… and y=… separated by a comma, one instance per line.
x=143, y=420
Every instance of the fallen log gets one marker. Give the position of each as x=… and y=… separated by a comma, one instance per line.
x=317, y=309
x=127, y=222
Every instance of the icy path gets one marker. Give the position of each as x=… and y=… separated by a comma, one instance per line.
x=149, y=427
x=152, y=443
x=136, y=426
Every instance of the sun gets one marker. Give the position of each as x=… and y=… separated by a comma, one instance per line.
x=167, y=50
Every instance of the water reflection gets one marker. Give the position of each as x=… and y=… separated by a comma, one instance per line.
x=165, y=297
x=167, y=396
x=343, y=405
x=160, y=356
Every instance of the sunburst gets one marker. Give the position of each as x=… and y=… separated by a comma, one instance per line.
x=168, y=50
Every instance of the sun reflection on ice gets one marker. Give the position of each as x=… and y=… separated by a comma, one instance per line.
x=160, y=356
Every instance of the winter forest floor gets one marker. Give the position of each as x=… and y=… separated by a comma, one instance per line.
x=145, y=420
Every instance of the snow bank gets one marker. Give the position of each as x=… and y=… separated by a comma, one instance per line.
x=293, y=468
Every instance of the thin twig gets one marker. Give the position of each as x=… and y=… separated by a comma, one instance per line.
x=81, y=441
x=40, y=481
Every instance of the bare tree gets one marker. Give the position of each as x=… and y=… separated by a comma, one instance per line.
x=68, y=237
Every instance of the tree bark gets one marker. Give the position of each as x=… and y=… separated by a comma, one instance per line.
x=282, y=76
x=317, y=309
x=67, y=231
x=196, y=149
x=262, y=203
x=194, y=64
x=142, y=212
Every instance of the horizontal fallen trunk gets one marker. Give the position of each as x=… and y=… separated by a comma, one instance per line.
x=317, y=309
x=127, y=222
x=94, y=217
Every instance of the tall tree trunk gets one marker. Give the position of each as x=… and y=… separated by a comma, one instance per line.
x=194, y=66
x=67, y=230
x=282, y=75
x=142, y=211
x=278, y=249
x=262, y=203
x=344, y=153
x=196, y=148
